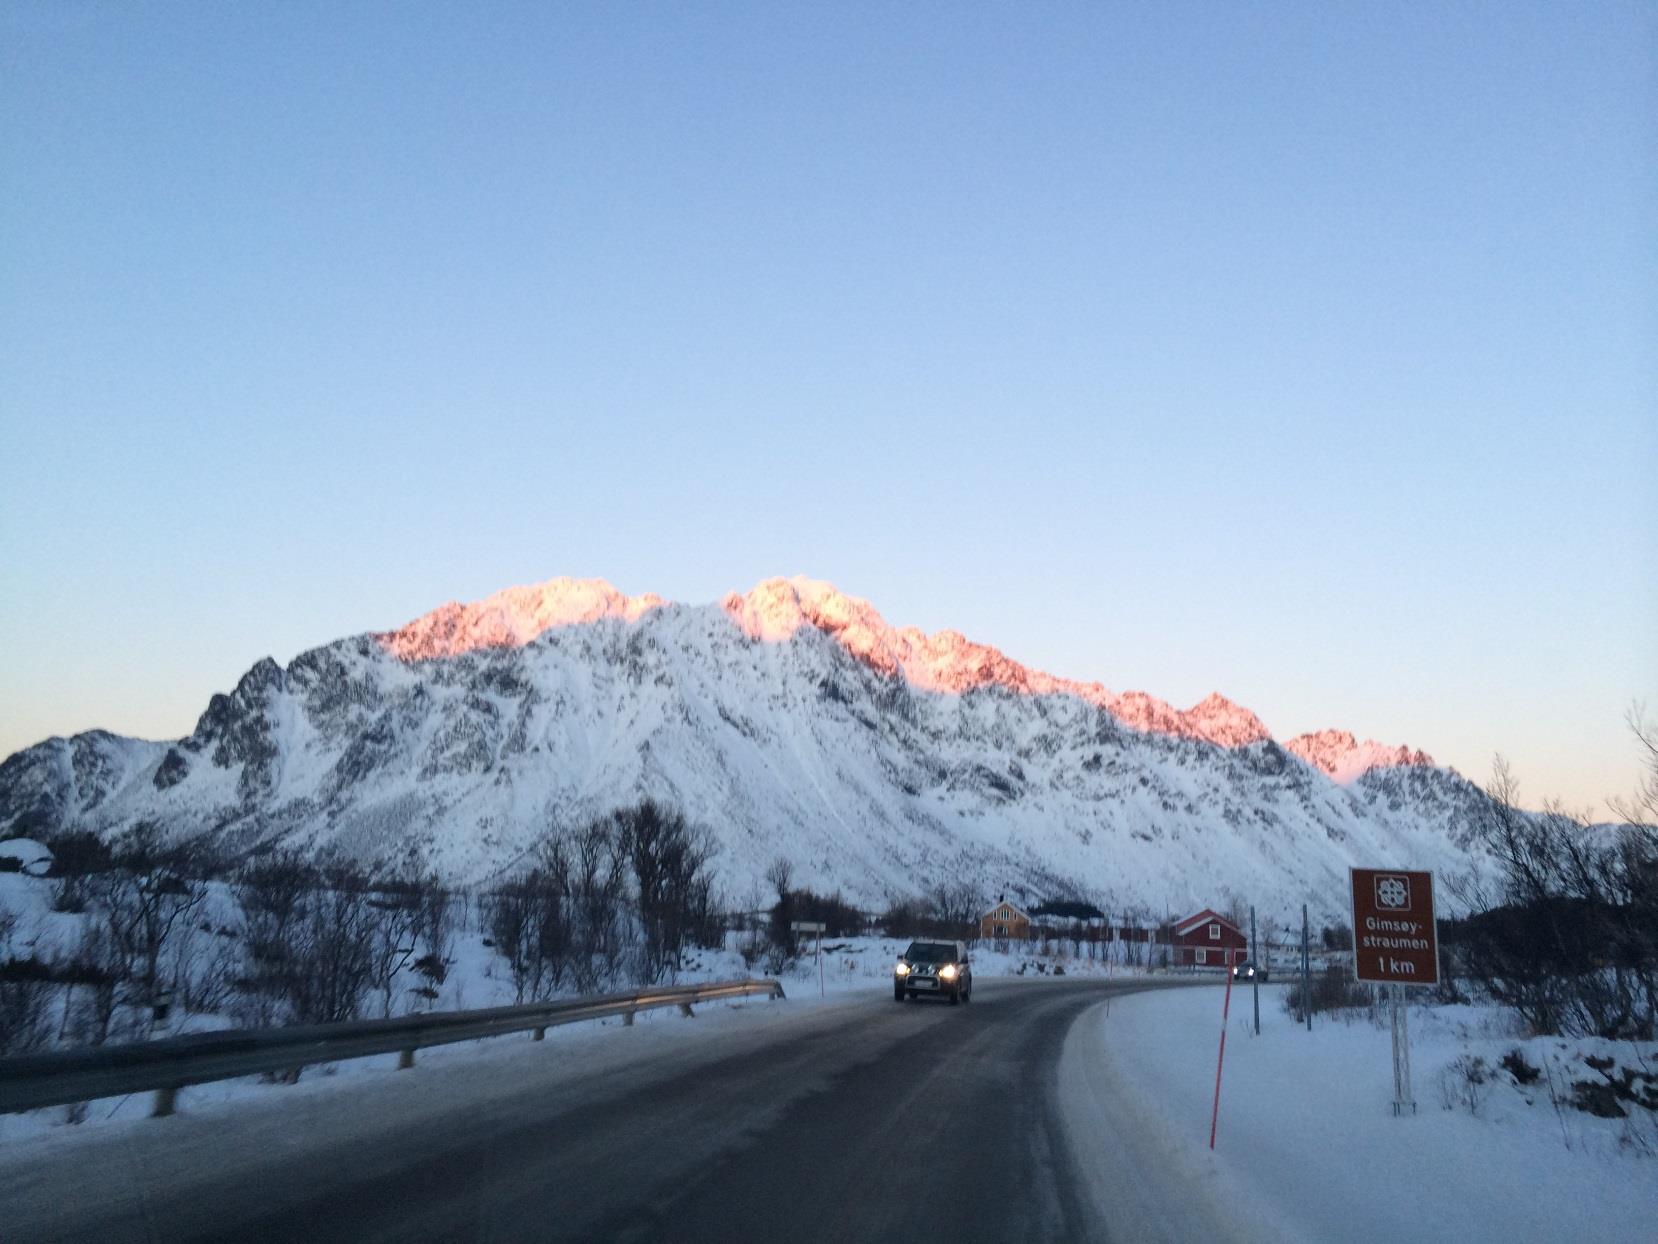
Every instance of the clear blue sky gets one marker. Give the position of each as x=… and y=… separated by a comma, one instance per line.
x=1303, y=352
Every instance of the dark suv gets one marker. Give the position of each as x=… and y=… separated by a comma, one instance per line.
x=933, y=968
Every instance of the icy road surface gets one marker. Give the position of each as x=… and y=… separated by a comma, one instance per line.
x=855, y=1119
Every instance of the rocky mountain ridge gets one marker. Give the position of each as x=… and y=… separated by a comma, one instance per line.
x=793, y=720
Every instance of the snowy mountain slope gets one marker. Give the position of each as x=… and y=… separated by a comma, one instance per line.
x=791, y=720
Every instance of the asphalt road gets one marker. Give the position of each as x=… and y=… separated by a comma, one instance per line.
x=870, y=1120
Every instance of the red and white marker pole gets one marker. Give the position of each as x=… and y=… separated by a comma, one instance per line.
x=1226, y=1010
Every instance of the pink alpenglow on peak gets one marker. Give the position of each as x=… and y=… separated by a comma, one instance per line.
x=1341, y=756
x=513, y=618
x=946, y=662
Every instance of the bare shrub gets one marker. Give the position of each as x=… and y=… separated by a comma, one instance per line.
x=77, y=855
x=1330, y=990
x=1570, y=939
x=1463, y=1083
x=310, y=940
x=25, y=1002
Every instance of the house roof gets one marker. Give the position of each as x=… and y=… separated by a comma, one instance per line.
x=996, y=907
x=1206, y=916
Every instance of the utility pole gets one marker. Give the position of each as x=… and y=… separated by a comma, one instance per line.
x=1255, y=958
x=1306, y=971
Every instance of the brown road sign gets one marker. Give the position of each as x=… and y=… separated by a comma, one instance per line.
x=1395, y=940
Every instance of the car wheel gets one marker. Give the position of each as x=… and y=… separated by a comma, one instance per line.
x=955, y=996
x=897, y=993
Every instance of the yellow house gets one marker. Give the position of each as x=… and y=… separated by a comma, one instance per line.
x=1004, y=921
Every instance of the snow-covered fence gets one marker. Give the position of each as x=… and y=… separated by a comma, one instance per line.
x=166, y=1066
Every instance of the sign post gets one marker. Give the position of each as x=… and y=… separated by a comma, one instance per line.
x=1255, y=958
x=813, y=926
x=1396, y=943
x=1306, y=972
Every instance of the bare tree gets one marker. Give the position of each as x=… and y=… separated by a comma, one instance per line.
x=90, y=1001
x=669, y=860
x=595, y=890
x=1569, y=943
x=25, y=1023
x=393, y=913
x=956, y=906
x=332, y=966
x=147, y=898
x=529, y=920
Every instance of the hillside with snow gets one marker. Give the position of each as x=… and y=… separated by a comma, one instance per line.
x=793, y=721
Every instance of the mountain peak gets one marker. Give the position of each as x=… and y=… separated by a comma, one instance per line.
x=513, y=617
x=1225, y=722
x=1343, y=757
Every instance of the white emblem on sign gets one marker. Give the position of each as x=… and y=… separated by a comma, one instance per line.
x=1393, y=893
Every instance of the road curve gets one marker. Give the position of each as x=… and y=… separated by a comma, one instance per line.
x=869, y=1120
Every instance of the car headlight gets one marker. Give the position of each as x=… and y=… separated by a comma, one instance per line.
x=903, y=969
x=948, y=972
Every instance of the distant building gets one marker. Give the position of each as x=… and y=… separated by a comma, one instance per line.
x=1209, y=939
x=1004, y=922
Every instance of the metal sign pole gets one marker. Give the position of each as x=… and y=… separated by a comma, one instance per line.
x=1306, y=972
x=1402, y=1099
x=820, y=986
x=1255, y=958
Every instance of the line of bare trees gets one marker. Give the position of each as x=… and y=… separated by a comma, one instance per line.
x=620, y=898
x=1567, y=933
x=320, y=942
x=282, y=941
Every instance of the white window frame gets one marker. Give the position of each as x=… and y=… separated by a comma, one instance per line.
x=1214, y=932
x=1202, y=955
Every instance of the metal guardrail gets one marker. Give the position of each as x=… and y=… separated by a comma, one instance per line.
x=166, y=1066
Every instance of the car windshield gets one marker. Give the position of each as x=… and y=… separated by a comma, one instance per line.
x=930, y=952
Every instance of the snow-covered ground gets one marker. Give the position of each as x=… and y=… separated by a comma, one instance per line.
x=1308, y=1147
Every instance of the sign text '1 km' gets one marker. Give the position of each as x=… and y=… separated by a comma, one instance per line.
x=1395, y=940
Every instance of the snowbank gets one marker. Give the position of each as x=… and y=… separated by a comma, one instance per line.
x=32, y=857
x=1308, y=1148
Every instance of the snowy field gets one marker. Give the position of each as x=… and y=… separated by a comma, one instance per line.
x=1308, y=1148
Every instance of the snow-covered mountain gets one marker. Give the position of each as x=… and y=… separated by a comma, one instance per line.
x=793, y=721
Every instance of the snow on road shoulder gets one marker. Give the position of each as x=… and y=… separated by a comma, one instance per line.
x=341, y=1099
x=1308, y=1147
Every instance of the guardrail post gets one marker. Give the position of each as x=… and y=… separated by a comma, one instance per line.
x=627, y=1020
x=165, y=1101
x=405, y=1060
x=685, y=1009
x=540, y=1035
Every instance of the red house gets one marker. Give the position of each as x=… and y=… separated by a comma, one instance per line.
x=1209, y=939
